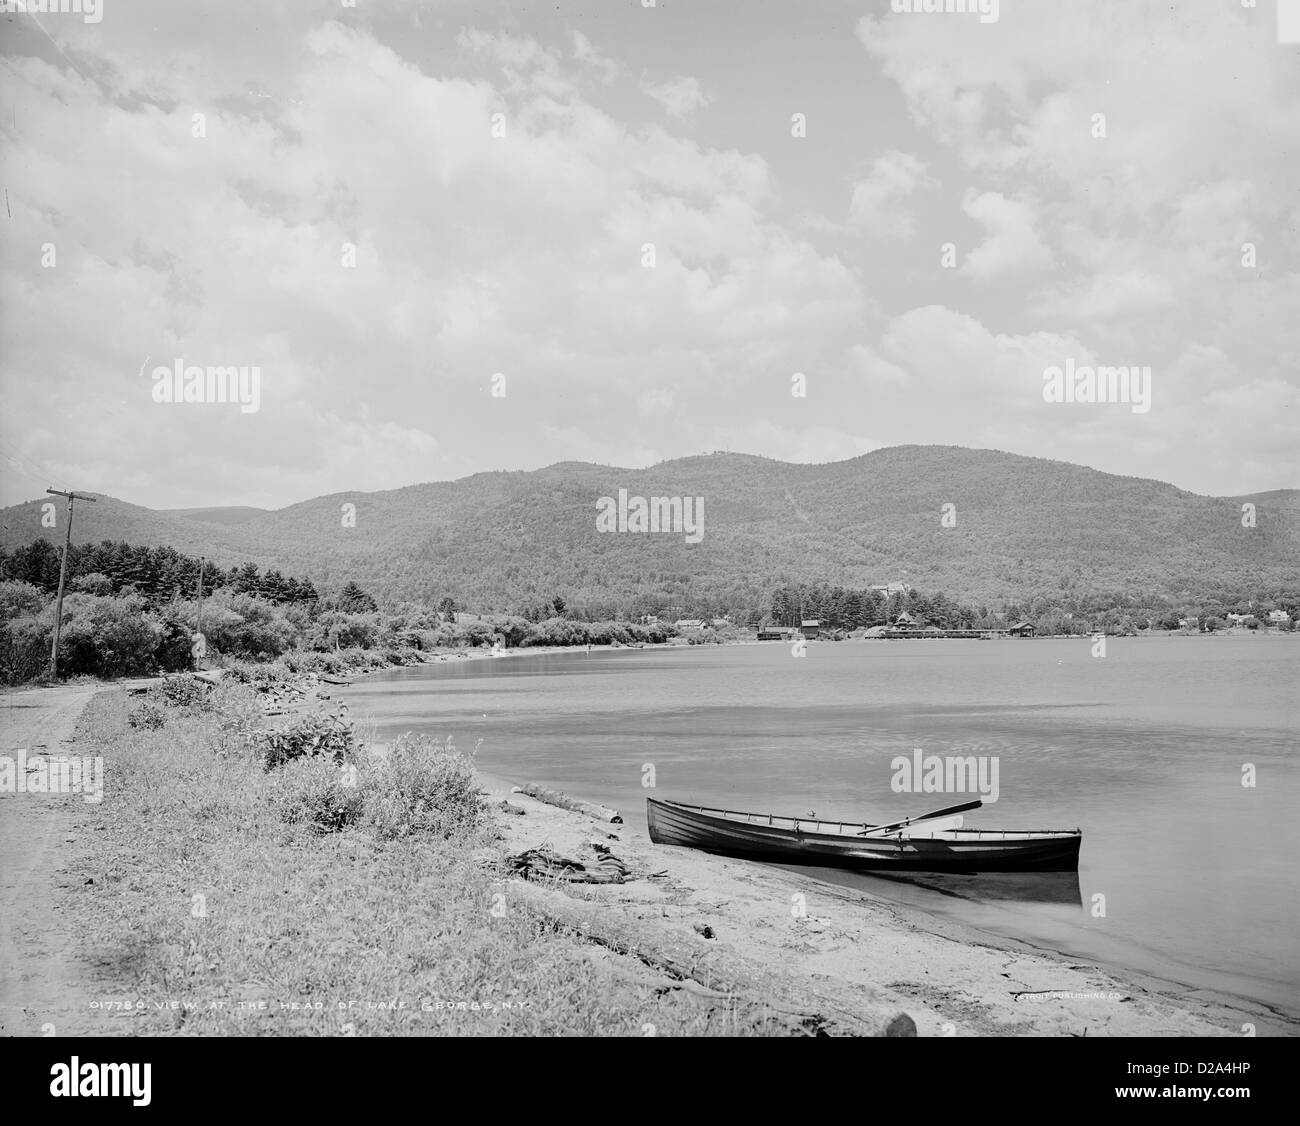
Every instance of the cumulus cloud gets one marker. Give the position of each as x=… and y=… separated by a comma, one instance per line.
x=585, y=52
x=680, y=97
x=882, y=201
x=1012, y=245
x=385, y=212
x=381, y=267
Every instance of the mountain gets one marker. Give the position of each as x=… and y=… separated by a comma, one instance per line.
x=1025, y=527
x=233, y=514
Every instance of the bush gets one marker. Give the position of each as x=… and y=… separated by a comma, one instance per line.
x=94, y=583
x=305, y=737
x=21, y=600
x=24, y=649
x=317, y=793
x=175, y=652
x=106, y=636
x=424, y=786
x=244, y=626
x=182, y=692
x=147, y=717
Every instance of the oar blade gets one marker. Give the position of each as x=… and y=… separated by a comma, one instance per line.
x=875, y=830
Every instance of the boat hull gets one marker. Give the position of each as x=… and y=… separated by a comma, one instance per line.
x=785, y=840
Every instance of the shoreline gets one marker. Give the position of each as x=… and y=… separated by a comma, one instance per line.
x=741, y=937
x=952, y=977
x=908, y=917
x=452, y=656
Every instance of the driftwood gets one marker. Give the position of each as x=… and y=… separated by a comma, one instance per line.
x=558, y=797
x=211, y=676
x=543, y=864
x=703, y=968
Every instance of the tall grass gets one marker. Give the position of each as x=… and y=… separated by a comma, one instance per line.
x=276, y=903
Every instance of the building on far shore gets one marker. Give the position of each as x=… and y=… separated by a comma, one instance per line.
x=1021, y=629
x=891, y=588
x=690, y=623
x=810, y=627
x=1278, y=617
x=905, y=621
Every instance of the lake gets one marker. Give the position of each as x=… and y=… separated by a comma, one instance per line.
x=1144, y=749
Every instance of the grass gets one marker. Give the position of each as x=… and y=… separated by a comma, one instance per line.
x=208, y=892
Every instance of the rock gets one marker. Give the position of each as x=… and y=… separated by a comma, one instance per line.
x=703, y=930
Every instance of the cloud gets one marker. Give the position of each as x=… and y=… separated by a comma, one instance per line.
x=1012, y=246
x=474, y=254
x=881, y=202
x=680, y=97
x=585, y=52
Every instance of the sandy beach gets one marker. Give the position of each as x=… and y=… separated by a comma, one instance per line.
x=951, y=980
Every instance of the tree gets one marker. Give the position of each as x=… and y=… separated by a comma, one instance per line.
x=353, y=600
x=447, y=607
x=93, y=583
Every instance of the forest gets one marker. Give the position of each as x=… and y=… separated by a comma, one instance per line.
x=133, y=610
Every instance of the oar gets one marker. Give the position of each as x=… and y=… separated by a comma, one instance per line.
x=923, y=817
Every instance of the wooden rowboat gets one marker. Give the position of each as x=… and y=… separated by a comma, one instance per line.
x=924, y=846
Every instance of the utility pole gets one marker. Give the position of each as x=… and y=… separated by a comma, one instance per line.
x=63, y=570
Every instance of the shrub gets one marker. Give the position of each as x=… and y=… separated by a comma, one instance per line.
x=182, y=692
x=94, y=583
x=175, y=647
x=305, y=737
x=424, y=786
x=24, y=649
x=147, y=717
x=244, y=626
x=106, y=636
x=21, y=600
x=317, y=793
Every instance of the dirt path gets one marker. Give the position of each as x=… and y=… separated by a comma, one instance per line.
x=41, y=980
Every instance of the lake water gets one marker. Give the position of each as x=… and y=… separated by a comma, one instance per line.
x=1143, y=748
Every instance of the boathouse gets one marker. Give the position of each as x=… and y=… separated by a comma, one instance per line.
x=810, y=627
x=1021, y=629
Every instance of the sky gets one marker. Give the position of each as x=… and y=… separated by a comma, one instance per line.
x=452, y=237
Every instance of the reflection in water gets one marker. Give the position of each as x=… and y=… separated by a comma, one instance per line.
x=974, y=887
x=1020, y=887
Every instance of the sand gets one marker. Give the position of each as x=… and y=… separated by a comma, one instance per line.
x=952, y=980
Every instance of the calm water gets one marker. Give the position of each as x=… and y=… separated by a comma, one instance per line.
x=1143, y=749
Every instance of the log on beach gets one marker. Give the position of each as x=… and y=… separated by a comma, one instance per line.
x=720, y=973
x=561, y=799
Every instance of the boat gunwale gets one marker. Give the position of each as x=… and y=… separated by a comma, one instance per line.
x=729, y=814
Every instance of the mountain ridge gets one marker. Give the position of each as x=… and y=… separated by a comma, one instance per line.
x=1024, y=527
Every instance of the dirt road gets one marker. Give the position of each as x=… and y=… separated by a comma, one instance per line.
x=43, y=982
